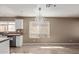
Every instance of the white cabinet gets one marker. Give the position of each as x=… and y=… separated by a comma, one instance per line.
x=19, y=25
x=4, y=47
x=19, y=41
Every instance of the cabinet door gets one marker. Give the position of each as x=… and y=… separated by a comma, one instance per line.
x=4, y=47
x=19, y=41
x=19, y=23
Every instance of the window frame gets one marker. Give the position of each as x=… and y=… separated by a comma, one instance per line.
x=7, y=23
x=39, y=34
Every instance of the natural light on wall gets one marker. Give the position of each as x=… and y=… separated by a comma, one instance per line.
x=39, y=28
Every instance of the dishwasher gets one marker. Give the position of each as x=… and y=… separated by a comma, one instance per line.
x=12, y=41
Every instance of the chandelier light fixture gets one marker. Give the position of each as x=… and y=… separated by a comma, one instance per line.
x=39, y=12
x=39, y=19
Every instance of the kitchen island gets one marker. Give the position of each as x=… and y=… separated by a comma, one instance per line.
x=4, y=45
x=16, y=39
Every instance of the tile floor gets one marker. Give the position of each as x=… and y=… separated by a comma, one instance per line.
x=46, y=49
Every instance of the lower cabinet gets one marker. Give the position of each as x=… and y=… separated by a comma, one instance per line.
x=19, y=41
x=4, y=47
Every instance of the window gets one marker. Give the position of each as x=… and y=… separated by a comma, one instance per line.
x=6, y=26
x=39, y=31
x=3, y=27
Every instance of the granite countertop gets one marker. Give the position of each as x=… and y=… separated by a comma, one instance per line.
x=3, y=38
x=13, y=34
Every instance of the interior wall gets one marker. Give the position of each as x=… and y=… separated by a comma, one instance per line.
x=7, y=18
x=62, y=30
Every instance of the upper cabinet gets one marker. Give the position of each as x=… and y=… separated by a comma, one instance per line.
x=19, y=23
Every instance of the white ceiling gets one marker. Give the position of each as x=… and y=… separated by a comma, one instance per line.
x=29, y=10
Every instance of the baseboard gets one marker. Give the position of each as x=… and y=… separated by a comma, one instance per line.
x=49, y=44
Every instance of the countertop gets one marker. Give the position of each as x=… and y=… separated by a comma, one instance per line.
x=13, y=34
x=3, y=38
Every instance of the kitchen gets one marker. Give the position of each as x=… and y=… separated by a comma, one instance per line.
x=10, y=33
x=39, y=28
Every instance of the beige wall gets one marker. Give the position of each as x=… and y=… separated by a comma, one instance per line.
x=61, y=30
x=7, y=18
